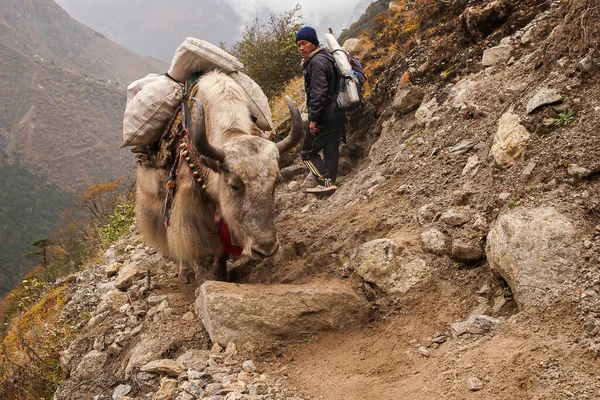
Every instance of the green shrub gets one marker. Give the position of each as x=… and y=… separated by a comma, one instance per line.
x=119, y=223
x=269, y=51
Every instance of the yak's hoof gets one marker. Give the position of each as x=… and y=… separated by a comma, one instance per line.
x=187, y=277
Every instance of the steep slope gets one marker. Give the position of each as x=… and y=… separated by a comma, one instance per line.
x=29, y=210
x=61, y=107
x=477, y=245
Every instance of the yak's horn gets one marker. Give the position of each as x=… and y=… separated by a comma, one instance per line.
x=295, y=133
x=199, y=139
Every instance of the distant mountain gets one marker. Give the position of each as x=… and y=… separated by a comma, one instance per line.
x=157, y=27
x=358, y=11
x=43, y=30
x=62, y=99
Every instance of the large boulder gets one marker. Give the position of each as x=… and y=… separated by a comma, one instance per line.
x=497, y=55
x=262, y=314
x=483, y=20
x=535, y=251
x=390, y=267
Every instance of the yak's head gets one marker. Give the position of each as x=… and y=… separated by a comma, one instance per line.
x=246, y=174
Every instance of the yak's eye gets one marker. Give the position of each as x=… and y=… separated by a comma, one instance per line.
x=236, y=184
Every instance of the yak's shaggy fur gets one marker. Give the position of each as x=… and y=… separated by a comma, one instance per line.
x=240, y=189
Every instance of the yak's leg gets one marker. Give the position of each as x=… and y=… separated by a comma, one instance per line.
x=186, y=273
x=219, y=271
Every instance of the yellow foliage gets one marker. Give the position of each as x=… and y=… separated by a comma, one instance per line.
x=99, y=189
x=29, y=353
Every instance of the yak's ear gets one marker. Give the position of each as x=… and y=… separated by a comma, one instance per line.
x=214, y=165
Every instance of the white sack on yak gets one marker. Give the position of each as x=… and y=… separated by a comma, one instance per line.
x=151, y=104
x=153, y=100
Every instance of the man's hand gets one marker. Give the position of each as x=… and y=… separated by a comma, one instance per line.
x=312, y=127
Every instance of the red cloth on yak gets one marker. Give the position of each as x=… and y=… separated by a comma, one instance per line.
x=229, y=248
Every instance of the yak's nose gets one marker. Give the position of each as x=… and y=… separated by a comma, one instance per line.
x=267, y=249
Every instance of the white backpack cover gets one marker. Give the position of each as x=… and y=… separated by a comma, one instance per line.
x=350, y=96
x=151, y=104
x=196, y=55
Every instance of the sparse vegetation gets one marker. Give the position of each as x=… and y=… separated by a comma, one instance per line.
x=30, y=351
x=565, y=117
x=119, y=223
x=269, y=51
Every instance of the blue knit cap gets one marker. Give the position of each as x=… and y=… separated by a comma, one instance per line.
x=307, y=33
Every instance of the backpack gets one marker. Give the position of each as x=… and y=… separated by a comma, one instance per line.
x=351, y=87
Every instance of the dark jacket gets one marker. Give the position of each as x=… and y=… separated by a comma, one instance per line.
x=321, y=81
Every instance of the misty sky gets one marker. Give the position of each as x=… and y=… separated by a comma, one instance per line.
x=322, y=14
x=156, y=27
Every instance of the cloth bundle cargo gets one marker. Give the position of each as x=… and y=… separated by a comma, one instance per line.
x=151, y=104
x=195, y=55
x=153, y=100
x=349, y=95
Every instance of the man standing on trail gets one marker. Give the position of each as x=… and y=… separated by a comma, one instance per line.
x=326, y=121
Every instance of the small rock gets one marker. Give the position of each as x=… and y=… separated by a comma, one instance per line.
x=112, y=269
x=529, y=168
x=462, y=147
x=165, y=366
x=408, y=99
x=423, y=351
x=434, y=241
x=405, y=189
x=455, y=218
x=509, y=143
x=543, y=97
x=426, y=214
x=249, y=366
x=586, y=64
x=504, y=196
x=471, y=165
x=496, y=55
x=216, y=349
x=474, y=384
x=189, y=316
x=485, y=290
x=213, y=388
x=499, y=303
x=294, y=186
x=480, y=224
x=167, y=389
x=121, y=391
x=578, y=172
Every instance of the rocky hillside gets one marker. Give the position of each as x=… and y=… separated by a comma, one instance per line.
x=61, y=105
x=44, y=31
x=458, y=258
x=67, y=109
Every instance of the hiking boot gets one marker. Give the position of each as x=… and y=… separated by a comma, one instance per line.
x=322, y=189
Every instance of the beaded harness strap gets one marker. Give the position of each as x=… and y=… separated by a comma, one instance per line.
x=184, y=150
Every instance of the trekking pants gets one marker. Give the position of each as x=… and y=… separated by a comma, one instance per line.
x=326, y=140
